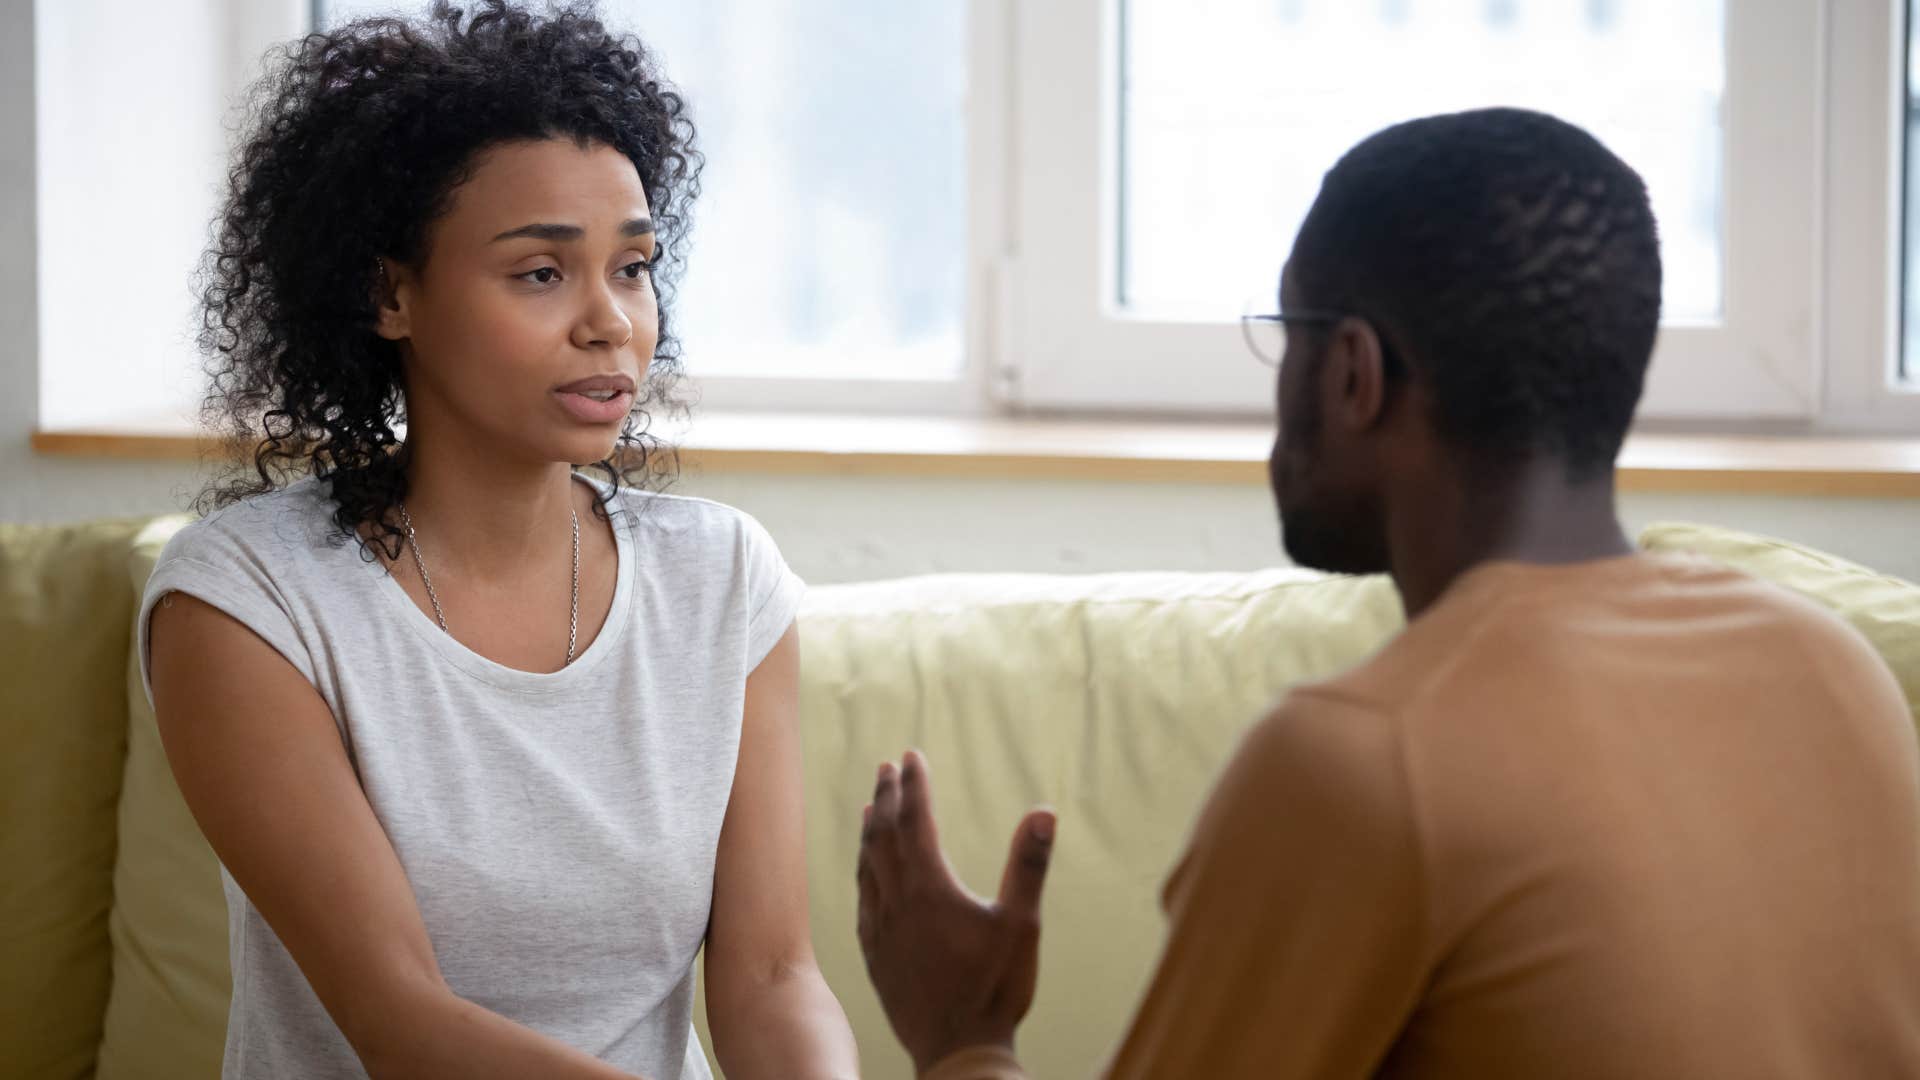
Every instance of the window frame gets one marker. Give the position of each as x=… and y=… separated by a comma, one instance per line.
x=1864, y=205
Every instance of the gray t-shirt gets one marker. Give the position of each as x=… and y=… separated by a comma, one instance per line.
x=559, y=830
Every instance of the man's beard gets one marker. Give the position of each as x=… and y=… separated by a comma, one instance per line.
x=1320, y=541
x=1330, y=530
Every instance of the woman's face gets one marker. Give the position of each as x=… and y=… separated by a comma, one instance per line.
x=533, y=320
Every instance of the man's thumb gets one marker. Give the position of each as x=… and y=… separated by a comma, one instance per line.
x=1026, y=869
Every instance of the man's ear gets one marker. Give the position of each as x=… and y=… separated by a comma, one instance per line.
x=392, y=289
x=1356, y=376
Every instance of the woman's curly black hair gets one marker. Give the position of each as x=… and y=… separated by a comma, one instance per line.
x=357, y=139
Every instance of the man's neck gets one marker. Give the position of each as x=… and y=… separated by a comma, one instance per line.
x=1531, y=514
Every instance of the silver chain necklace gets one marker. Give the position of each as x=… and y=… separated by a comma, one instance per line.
x=573, y=609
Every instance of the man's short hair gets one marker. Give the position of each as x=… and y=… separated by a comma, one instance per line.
x=1513, y=261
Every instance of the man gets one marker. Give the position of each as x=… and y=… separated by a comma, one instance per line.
x=1592, y=814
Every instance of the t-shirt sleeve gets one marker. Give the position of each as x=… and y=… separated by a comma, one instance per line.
x=1296, y=938
x=773, y=592
x=230, y=574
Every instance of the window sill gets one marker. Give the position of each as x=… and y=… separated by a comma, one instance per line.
x=1148, y=451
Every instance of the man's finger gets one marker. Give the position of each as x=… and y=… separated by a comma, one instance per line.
x=1026, y=870
x=886, y=799
x=870, y=885
x=916, y=805
x=882, y=843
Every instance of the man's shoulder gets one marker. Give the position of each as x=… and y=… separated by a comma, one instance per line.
x=1515, y=636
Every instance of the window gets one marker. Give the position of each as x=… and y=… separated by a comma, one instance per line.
x=976, y=205
x=828, y=250
x=1230, y=113
x=1868, y=118
x=1143, y=234
x=123, y=193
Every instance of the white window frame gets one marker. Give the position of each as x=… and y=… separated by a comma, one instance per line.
x=1865, y=181
x=1810, y=126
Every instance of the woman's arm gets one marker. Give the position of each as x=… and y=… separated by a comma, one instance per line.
x=258, y=757
x=770, y=1011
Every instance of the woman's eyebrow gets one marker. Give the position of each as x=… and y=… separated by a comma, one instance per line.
x=556, y=233
x=562, y=234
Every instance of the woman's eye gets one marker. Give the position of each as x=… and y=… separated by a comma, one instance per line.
x=635, y=270
x=544, y=275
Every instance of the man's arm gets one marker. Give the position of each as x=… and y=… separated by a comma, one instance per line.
x=1296, y=945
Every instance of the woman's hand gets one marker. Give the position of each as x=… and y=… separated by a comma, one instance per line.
x=952, y=971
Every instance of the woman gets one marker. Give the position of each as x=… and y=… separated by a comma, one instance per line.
x=488, y=750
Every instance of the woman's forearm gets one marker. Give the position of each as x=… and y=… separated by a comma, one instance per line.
x=434, y=1033
x=789, y=1026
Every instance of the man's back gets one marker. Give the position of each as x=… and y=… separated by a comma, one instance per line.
x=1627, y=818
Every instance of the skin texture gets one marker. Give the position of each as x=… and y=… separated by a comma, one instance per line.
x=1364, y=484
x=488, y=329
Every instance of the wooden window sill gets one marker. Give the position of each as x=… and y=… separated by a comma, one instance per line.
x=1223, y=452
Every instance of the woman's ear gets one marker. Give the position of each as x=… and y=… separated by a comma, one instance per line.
x=392, y=285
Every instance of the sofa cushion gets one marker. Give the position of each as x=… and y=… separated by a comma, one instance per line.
x=1885, y=609
x=167, y=1014
x=1114, y=698
x=65, y=610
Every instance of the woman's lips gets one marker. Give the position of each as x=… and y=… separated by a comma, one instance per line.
x=590, y=411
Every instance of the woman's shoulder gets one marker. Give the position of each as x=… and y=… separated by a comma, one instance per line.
x=696, y=519
x=279, y=529
x=261, y=560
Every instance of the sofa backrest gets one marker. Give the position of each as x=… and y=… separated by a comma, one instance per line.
x=1114, y=698
x=65, y=611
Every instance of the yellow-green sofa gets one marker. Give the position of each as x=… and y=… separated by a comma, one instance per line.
x=1112, y=697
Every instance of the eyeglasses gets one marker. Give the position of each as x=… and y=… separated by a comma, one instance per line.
x=1266, y=334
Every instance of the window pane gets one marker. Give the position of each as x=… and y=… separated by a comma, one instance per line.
x=829, y=240
x=1232, y=110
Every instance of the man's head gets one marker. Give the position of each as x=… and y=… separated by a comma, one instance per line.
x=1497, y=278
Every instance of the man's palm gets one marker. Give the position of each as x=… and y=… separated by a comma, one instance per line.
x=951, y=970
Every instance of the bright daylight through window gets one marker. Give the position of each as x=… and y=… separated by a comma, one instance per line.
x=829, y=237
x=1232, y=109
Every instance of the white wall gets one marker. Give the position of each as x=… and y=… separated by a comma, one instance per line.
x=836, y=529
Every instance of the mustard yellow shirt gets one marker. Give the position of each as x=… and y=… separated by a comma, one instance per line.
x=1640, y=817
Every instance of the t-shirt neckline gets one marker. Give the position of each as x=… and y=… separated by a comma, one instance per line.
x=498, y=674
